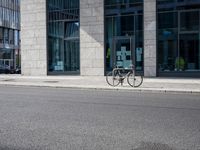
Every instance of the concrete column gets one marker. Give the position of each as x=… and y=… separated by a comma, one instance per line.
x=150, y=47
x=92, y=37
x=33, y=37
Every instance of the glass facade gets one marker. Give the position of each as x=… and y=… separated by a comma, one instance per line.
x=63, y=36
x=178, y=38
x=9, y=34
x=124, y=33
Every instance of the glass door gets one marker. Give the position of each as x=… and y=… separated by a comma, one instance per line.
x=123, y=52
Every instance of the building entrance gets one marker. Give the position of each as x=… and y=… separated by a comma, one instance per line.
x=123, y=19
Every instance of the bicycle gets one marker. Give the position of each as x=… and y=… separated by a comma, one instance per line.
x=118, y=75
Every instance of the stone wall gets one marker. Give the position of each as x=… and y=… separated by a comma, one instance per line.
x=92, y=37
x=150, y=38
x=33, y=37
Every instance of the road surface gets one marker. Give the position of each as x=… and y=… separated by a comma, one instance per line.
x=33, y=118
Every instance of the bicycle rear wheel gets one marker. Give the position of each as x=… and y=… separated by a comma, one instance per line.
x=134, y=81
x=113, y=78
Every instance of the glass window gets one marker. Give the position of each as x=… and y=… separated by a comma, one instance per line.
x=1, y=35
x=11, y=36
x=123, y=4
x=167, y=20
x=63, y=36
x=71, y=29
x=6, y=36
x=189, y=21
x=124, y=19
x=167, y=50
x=9, y=22
x=178, y=35
x=127, y=25
x=189, y=58
x=16, y=38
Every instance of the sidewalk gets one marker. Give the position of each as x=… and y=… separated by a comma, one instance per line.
x=176, y=85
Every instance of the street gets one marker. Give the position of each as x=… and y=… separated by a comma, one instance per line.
x=36, y=118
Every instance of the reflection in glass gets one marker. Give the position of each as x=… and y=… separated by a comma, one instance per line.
x=189, y=52
x=7, y=58
x=9, y=34
x=167, y=20
x=63, y=36
x=178, y=36
x=167, y=49
x=72, y=55
x=123, y=19
x=71, y=29
x=189, y=21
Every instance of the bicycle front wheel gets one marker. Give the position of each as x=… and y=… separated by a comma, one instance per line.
x=134, y=81
x=112, y=78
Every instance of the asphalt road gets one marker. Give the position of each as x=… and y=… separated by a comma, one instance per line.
x=69, y=119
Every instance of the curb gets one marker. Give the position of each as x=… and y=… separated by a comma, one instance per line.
x=153, y=90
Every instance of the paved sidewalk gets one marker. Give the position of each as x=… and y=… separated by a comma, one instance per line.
x=180, y=85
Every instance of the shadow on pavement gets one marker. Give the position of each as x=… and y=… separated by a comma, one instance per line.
x=154, y=146
x=13, y=148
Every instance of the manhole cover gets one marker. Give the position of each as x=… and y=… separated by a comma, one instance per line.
x=51, y=81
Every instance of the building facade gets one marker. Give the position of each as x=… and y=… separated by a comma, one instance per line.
x=91, y=37
x=9, y=34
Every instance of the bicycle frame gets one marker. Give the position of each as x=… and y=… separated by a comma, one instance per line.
x=122, y=77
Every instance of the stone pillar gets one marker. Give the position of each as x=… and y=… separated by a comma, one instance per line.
x=33, y=37
x=92, y=37
x=150, y=47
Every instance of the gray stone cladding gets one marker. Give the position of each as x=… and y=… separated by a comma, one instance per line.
x=34, y=46
x=150, y=38
x=33, y=37
x=92, y=37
